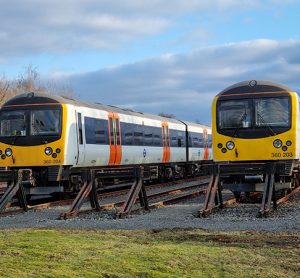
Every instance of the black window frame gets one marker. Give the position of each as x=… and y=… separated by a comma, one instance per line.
x=254, y=132
x=33, y=140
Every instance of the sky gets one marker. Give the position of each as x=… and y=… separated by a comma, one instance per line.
x=152, y=56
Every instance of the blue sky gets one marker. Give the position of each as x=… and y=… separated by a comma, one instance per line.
x=152, y=56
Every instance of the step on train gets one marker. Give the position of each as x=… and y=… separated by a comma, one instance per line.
x=60, y=139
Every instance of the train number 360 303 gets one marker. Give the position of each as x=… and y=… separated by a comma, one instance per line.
x=279, y=155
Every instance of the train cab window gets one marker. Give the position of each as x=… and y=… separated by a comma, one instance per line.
x=12, y=123
x=45, y=122
x=234, y=114
x=272, y=112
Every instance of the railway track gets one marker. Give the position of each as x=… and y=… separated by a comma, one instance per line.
x=253, y=195
x=159, y=195
x=179, y=187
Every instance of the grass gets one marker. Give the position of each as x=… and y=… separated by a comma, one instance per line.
x=166, y=253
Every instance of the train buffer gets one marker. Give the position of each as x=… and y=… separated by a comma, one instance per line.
x=14, y=188
x=137, y=190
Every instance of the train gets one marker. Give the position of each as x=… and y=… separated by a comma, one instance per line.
x=255, y=132
x=59, y=139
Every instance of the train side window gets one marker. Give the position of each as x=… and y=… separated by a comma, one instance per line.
x=201, y=140
x=80, y=129
x=138, y=135
x=181, y=138
x=148, y=135
x=190, y=139
x=96, y=131
x=173, y=136
x=127, y=133
x=196, y=140
x=209, y=140
x=100, y=131
x=157, y=139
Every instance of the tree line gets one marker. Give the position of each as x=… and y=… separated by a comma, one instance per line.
x=30, y=81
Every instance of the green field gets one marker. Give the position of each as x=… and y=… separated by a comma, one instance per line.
x=167, y=253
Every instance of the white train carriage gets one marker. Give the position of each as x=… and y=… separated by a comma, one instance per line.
x=68, y=136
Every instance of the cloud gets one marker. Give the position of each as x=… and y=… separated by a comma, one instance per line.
x=185, y=84
x=52, y=26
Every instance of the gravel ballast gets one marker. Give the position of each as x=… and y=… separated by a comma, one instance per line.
x=240, y=217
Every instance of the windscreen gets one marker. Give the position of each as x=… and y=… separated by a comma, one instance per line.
x=272, y=112
x=45, y=122
x=12, y=123
x=234, y=114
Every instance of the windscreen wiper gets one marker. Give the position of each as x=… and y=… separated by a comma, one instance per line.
x=266, y=124
x=41, y=125
x=235, y=133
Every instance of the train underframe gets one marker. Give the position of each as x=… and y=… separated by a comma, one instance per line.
x=68, y=180
x=248, y=177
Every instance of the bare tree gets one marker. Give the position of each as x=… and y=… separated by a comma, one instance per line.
x=29, y=81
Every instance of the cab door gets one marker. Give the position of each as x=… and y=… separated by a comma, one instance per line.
x=166, y=142
x=80, y=143
x=115, y=140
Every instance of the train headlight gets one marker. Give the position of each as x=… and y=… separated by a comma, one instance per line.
x=230, y=145
x=277, y=143
x=48, y=151
x=288, y=143
x=220, y=146
x=8, y=152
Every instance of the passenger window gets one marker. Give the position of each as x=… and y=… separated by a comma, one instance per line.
x=96, y=131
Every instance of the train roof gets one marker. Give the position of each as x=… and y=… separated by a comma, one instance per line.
x=30, y=98
x=255, y=86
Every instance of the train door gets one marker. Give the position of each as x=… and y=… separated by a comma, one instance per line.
x=206, y=150
x=80, y=144
x=166, y=142
x=115, y=142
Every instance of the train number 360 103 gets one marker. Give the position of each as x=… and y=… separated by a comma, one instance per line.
x=279, y=155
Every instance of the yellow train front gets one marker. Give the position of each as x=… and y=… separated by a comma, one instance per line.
x=256, y=123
